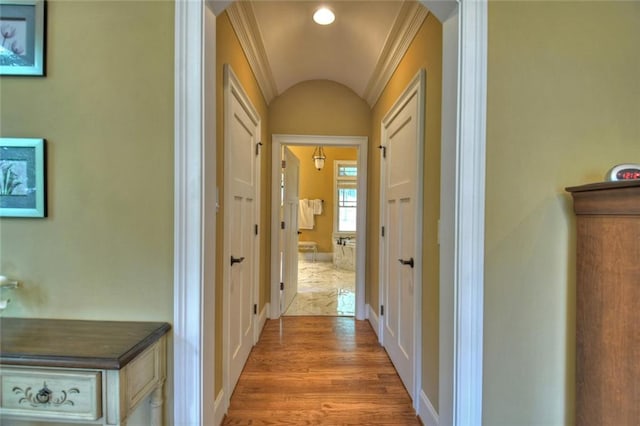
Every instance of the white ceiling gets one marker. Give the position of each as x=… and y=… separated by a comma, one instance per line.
x=360, y=49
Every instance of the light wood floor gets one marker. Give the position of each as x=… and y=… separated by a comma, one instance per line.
x=319, y=370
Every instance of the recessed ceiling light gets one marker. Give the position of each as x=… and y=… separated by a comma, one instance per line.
x=324, y=16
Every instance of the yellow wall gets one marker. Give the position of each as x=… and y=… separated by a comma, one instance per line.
x=230, y=52
x=319, y=107
x=105, y=107
x=316, y=183
x=563, y=107
x=105, y=251
x=425, y=52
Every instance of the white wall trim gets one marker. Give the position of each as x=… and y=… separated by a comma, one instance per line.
x=262, y=318
x=428, y=415
x=244, y=24
x=372, y=316
x=447, y=223
x=464, y=37
x=278, y=141
x=462, y=209
x=218, y=409
x=404, y=29
x=188, y=213
x=469, y=214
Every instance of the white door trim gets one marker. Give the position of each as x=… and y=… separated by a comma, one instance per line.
x=463, y=135
x=360, y=142
x=469, y=214
x=462, y=208
x=188, y=215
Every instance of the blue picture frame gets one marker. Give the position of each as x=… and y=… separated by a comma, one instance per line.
x=22, y=177
x=22, y=37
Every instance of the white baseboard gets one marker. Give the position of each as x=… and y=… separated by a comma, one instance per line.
x=218, y=409
x=373, y=319
x=262, y=318
x=426, y=412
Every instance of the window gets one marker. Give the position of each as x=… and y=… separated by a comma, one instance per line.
x=347, y=171
x=346, y=190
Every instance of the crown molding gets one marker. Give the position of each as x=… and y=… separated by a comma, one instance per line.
x=404, y=29
x=244, y=24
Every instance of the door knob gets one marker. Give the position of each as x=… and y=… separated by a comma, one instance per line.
x=406, y=262
x=236, y=260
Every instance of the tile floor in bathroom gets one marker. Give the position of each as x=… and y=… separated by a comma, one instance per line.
x=323, y=290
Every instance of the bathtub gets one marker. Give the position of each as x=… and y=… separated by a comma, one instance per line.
x=344, y=253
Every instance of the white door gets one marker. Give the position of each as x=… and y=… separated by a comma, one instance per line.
x=401, y=218
x=242, y=132
x=290, y=206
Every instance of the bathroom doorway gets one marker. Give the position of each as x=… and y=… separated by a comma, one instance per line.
x=327, y=231
x=330, y=226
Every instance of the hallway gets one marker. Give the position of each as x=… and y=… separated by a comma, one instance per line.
x=319, y=370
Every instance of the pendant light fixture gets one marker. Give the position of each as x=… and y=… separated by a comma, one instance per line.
x=319, y=157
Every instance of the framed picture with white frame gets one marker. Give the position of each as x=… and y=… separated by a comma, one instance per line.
x=22, y=178
x=22, y=37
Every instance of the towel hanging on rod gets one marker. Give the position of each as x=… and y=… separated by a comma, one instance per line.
x=305, y=214
x=317, y=206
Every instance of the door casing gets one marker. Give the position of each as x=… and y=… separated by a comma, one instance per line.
x=360, y=142
x=462, y=210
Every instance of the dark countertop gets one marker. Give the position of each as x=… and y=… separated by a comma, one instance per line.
x=106, y=345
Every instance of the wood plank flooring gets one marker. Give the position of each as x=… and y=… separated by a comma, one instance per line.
x=319, y=371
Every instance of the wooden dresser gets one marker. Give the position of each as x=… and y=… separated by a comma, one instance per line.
x=71, y=371
x=608, y=303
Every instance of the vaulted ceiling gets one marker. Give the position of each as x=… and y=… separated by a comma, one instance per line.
x=360, y=50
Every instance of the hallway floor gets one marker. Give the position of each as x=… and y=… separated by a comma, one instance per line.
x=323, y=290
x=319, y=371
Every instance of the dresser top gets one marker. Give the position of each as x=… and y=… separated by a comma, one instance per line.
x=600, y=186
x=607, y=198
x=106, y=345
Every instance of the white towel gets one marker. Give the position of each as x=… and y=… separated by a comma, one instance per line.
x=317, y=206
x=305, y=214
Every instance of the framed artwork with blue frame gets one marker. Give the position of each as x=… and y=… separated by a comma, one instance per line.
x=22, y=37
x=22, y=177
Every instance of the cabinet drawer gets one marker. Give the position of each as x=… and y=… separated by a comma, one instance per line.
x=50, y=393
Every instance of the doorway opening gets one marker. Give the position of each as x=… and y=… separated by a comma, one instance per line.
x=327, y=232
x=325, y=283
x=464, y=107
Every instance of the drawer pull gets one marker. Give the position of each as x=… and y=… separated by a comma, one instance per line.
x=44, y=396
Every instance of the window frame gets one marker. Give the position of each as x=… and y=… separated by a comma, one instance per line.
x=352, y=181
